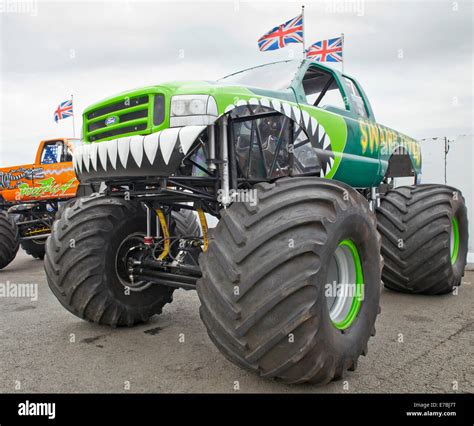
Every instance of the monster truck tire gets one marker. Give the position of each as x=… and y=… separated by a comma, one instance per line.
x=9, y=239
x=263, y=288
x=185, y=223
x=35, y=248
x=62, y=206
x=84, y=276
x=424, y=231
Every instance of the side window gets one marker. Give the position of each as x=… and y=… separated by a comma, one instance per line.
x=52, y=153
x=321, y=89
x=356, y=98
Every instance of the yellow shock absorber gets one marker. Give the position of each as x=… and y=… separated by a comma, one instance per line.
x=166, y=234
x=203, y=220
x=37, y=231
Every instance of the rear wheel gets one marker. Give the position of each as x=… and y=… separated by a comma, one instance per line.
x=85, y=262
x=424, y=232
x=9, y=239
x=290, y=287
x=35, y=248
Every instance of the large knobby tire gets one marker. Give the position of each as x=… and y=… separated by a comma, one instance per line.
x=35, y=248
x=81, y=257
x=266, y=273
x=186, y=224
x=9, y=239
x=424, y=232
x=62, y=206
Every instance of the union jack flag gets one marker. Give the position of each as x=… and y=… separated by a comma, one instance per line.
x=64, y=110
x=289, y=32
x=326, y=50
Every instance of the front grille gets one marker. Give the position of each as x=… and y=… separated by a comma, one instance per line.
x=131, y=102
x=131, y=115
x=116, y=132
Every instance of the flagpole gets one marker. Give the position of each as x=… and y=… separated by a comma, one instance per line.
x=73, y=124
x=342, y=36
x=302, y=18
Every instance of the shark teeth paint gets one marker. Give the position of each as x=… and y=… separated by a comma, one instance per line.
x=123, y=151
x=86, y=157
x=103, y=156
x=320, y=140
x=161, y=149
x=150, y=146
x=93, y=156
x=137, y=155
x=136, y=149
x=112, y=151
x=168, y=140
x=188, y=135
x=297, y=114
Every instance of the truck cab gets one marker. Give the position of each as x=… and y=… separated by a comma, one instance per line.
x=51, y=176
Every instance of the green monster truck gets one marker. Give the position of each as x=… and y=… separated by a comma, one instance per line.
x=288, y=156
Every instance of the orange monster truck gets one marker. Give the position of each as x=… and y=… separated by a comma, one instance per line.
x=32, y=194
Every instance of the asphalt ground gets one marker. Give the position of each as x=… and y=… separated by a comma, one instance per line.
x=423, y=344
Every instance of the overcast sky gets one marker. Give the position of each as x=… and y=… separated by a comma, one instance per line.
x=413, y=58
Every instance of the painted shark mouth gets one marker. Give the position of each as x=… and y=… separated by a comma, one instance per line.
x=158, y=154
x=161, y=153
x=322, y=144
x=320, y=140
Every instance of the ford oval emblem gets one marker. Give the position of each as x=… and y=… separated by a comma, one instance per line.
x=110, y=120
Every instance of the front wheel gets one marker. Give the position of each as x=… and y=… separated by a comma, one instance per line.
x=85, y=264
x=290, y=287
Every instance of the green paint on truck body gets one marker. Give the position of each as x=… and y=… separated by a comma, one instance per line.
x=361, y=146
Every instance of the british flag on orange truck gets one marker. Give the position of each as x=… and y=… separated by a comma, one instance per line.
x=30, y=196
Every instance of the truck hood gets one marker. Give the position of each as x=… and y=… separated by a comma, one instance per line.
x=218, y=89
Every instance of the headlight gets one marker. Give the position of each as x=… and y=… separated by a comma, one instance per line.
x=197, y=106
x=189, y=110
x=178, y=107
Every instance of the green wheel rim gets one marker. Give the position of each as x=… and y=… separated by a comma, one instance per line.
x=347, y=280
x=454, y=240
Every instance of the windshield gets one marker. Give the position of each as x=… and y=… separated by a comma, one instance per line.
x=276, y=76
